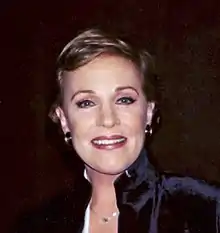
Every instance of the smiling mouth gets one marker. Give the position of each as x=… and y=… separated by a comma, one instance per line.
x=109, y=143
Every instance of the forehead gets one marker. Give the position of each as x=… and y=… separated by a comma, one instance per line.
x=107, y=71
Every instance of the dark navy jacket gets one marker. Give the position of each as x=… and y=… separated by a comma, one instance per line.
x=149, y=202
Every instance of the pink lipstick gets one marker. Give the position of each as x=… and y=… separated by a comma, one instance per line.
x=109, y=142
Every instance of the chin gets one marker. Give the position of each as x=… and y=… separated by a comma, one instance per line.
x=110, y=172
x=112, y=169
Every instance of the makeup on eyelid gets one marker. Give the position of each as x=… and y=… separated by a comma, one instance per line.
x=117, y=90
x=90, y=103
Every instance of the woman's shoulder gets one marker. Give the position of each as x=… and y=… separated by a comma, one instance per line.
x=190, y=186
x=190, y=200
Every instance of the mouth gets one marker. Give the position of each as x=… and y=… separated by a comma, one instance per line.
x=109, y=142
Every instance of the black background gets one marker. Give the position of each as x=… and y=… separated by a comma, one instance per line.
x=184, y=37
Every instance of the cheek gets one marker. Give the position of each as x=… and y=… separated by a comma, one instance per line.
x=80, y=122
x=134, y=119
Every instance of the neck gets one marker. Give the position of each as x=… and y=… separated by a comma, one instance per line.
x=103, y=191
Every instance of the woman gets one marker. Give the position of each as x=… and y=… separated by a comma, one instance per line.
x=105, y=107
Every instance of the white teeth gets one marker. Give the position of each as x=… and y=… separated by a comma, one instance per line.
x=108, y=142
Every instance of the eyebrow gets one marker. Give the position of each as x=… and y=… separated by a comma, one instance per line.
x=82, y=91
x=93, y=92
x=126, y=87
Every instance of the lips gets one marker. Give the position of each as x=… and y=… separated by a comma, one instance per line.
x=109, y=142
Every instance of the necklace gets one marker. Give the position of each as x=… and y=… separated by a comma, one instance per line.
x=105, y=219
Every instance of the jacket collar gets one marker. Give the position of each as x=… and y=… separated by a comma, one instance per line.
x=140, y=171
x=134, y=189
x=138, y=178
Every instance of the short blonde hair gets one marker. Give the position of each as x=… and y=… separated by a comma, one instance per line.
x=92, y=43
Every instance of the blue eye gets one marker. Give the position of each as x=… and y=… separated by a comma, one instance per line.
x=85, y=104
x=126, y=100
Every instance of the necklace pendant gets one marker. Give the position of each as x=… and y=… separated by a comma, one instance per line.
x=105, y=220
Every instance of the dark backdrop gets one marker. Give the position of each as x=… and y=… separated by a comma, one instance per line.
x=184, y=37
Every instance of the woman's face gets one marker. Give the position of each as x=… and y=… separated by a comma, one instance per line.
x=106, y=112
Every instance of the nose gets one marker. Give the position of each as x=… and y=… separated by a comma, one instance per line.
x=108, y=117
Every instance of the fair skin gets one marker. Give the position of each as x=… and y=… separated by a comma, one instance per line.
x=105, y=98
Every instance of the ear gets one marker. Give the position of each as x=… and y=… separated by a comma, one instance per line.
x=150, y=112
x=63, y=121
